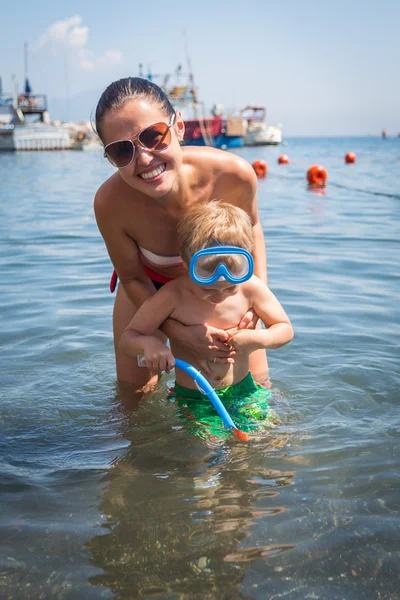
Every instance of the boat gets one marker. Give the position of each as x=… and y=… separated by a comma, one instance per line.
x=245, y=128
x=25, y=123
x=224, y=133
x=217, y=130
x=87, y=145
x=83, y=136
x=257, y=132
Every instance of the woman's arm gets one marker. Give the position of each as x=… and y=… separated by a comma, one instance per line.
x=238, y=185
x=122, y=249
x=249, y=204
x=259, y=253
x=203, y=340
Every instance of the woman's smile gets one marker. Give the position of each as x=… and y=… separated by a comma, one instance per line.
x=152, y=173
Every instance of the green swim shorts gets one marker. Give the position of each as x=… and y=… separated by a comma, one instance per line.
x=246, y=402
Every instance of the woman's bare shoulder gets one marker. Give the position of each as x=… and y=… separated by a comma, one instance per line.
x=220, y=160
x=108, y=194
x=109, y=186
x=232, y=175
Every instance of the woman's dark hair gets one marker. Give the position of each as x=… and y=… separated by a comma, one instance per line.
x=118, y=92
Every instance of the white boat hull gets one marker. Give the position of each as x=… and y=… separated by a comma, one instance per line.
x=34, y=137
x=263, y=136
x=41, y=137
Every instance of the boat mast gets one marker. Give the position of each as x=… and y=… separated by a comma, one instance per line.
x=27, y=86
x=191, y=77
x=26, y=59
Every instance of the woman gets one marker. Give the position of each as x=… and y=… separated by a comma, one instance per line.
x=137, y=210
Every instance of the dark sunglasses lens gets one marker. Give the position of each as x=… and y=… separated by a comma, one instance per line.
x=120, y=154
x=156, y=137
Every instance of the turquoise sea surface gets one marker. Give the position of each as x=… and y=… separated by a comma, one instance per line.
x=104, y=496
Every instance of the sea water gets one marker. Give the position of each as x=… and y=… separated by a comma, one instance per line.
x=106, y=495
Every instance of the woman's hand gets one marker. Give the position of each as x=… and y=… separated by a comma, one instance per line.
x=207, y=343
x=249, y=320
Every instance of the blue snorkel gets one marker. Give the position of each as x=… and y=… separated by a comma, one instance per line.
x=205, y=388
x=208, y=390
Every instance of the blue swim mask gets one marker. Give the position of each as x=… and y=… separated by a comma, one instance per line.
x=219, y=263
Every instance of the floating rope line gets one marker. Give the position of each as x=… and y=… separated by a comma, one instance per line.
x=339, y=185
x=347, y=187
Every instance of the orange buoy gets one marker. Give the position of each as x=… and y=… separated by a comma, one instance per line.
x=350, y=157
x=283, y=159
x=317, y=175
x=261, y=168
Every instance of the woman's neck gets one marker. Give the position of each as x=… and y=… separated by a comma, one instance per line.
x=178, y=199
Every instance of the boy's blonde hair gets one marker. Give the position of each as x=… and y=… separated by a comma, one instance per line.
x=211, y=224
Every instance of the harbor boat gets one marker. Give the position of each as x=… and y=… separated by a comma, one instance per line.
x=217, y=130
x=246, y=128
x=257, y=132
x=83, y=136
x=25, y=123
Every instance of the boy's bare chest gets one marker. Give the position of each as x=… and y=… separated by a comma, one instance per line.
x=224, y=315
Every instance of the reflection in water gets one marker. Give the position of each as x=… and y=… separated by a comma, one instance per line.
x=179, y=513
x=315, y=188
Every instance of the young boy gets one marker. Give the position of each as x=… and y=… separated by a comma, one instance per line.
x=219, y=288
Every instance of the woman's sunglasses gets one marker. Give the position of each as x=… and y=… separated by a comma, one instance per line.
x=155, y=137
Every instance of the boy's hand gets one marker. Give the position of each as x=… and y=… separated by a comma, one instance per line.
x=249, y=320
x=208, y=343
x=243, y=341
x=158, y=357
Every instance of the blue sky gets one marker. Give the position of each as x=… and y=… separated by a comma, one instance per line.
x=322, y=68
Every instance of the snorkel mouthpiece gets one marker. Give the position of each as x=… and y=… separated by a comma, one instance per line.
x=241, y=435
